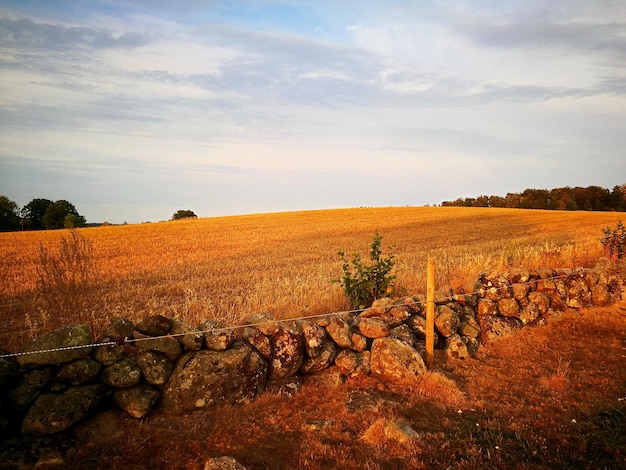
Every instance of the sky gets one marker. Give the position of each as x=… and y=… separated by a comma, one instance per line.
x=132, y=110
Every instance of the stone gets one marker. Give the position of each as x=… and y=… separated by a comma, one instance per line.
x=166, y=344
x=155, y=367
x=52, y=413
x=217, y=335
x=411, y=303
x=600, y=295
x=340, y=332
x=456, y=348
x=541, y=299
x=265, y=323
x=109, y=353
x=469, y=330
x=323, y=360
x=223, y=463
x=314, y=338
x=212, y=378
x=187, y=335
x=417, y=325
x=394, y=361
x=486, y=307
x=79, y=372
x=125, y=373
x=396, y=315
x=384, y=430
x=346, y=361
x=530, y=313
x=404, y=333
x=359, y=342
x=137, y=401
x=578, y=292
x=373, y=327
x=447, y=320
x=520, y=291
x=287, y=354
x=363, y=364
x=119, y=329
x=493, y=327
x=258, y=340
x=546, y=286
x=154, y=325
x=508, y=307
x=76, y=338
x=29, y=386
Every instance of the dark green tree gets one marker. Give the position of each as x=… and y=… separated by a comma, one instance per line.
x=9, y=215
x=33, y=213
x=57, y=216
x=184, y=214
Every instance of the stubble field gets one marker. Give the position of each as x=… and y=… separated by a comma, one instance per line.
x=551, y=397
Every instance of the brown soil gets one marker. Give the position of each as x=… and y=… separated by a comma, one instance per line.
x=550, y=397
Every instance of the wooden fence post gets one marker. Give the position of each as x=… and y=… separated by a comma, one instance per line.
x=430, y=312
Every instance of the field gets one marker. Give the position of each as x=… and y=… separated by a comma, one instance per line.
x=231, y=267
x=551, y=397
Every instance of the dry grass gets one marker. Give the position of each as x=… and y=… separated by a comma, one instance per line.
x=230, y=267
x=550, y=397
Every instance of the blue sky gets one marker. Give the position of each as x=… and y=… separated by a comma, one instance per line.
x=133, y=110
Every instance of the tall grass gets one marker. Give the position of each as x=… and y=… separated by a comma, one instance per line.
x=230, y=267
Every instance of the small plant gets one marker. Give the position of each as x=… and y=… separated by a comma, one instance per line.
x=362, y=283
x=64, y=277
x=613, y=241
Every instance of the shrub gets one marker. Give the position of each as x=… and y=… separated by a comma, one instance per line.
x=362, y=283
x=613, y=241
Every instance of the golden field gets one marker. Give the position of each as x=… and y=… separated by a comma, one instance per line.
x=231, y=267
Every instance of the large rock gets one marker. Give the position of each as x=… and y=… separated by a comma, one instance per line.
x=28, y=387
x=209, y=378
x=52, y=413
x=393, y=360
x=259, y=341
x=314, y=338
x=122, y=374
x=119, y=329
x=508, y=307
x=8, y=370
x=373, y=327
x=79, y=372
x=137, y=401
x=287, y=353
x=62, y=345
x=447, y=320
x=340, y=332
x=156, y=367
x=265, y=323
x=322, y=360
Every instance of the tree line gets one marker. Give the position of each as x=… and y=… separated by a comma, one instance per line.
x=39, y=214
x=591, y=198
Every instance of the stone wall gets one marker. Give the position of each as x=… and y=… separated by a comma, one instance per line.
x=63, y=376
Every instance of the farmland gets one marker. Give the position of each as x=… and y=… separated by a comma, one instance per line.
x=230, y=267
x=550, y=397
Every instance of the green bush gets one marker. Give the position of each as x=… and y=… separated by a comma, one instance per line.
x=362, y=283
x=613, y=241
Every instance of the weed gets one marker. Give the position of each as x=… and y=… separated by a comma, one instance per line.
x=362, y=283
x=65, y=277
x=613, y=241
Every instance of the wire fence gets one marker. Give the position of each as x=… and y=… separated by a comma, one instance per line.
x=214, y=330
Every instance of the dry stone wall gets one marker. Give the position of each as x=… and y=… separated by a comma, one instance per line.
x=63, y=376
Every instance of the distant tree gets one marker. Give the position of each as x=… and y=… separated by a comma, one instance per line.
x=184, y=214
x=33, y=213
x=9, y=215
x=62, y=214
